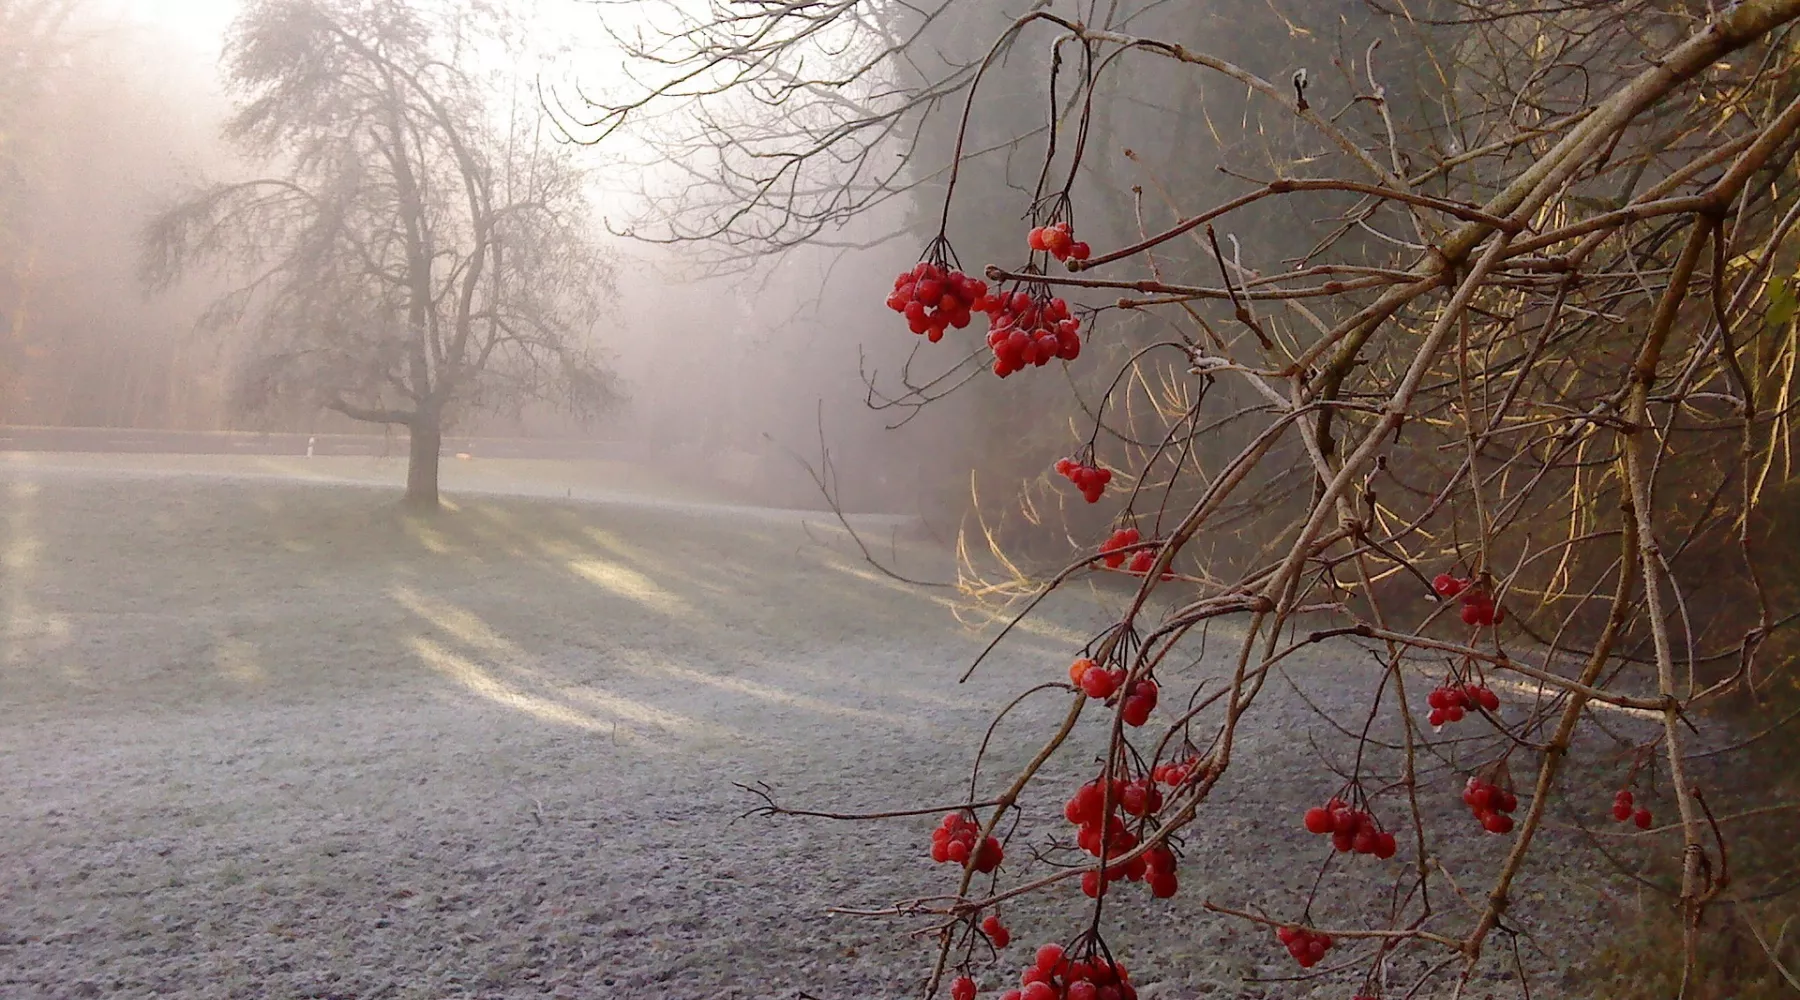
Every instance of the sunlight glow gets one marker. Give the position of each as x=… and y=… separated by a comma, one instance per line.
x=629, y=583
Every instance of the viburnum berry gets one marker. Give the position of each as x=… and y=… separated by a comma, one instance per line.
x=1449, y=702
x=1056, y=976
x=1091, y=480
x=1058, y=240
x=1101, y=683
x=1623, y=812
x=996, y=931
x=1173, y=772
x=934, y=298
x=1080, y=668
x=1307, y=947
x=1025, y=330
x=1622, y=805
x=1139, y=702
x=1141, y=798
x=1351, y=830
x=1447, y=585
x=1491, y=804
x=963, y=988
x=954, y=842
x=1120, y=539
x=1479, y=609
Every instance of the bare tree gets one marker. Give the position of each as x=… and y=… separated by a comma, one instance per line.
x=422, y=246
x=1503, y=429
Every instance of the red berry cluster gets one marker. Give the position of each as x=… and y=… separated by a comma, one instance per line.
x=1448, y=702
x=1143, y=559
x=996, y=931
x=1090, y=480
x=1173, y=772
x=1056, y=977
x=954, y=841
x=1058, y=241
x=1622, y=810
x=1307, y=947
x=933, y=298
x=1136, y=798
x=1096, y=680
x=963, y=988
x=1024, y=331
x=1350, y=829
x=1491, y=804
x=1478, y=607
x=1121, y=539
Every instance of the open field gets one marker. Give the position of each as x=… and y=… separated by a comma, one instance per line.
x=266, y=737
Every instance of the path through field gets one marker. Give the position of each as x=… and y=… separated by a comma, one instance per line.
x=267, y=738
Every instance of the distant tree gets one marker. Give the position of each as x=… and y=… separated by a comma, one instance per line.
x=418, y=251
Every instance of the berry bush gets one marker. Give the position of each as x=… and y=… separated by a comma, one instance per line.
x=1481, y=454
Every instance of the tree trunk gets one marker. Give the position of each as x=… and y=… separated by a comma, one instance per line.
x=427, y=438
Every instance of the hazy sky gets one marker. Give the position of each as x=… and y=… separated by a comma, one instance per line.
x=201, y=23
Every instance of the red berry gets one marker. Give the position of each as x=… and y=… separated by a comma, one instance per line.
x=1098, y=683
x=1039, y=991
x=989, y=856
x=1436, y=718
x=1489, y=700
x=1385, y=846
x=1079, y=669
x=1621, y=811
x=1642, y=819
x=1080, y=251
x=1498, y=823
x=1447, y=585
x=962, y=989
x=1035, y=239
x=1133, y=799
x=1142, y=560
x=1162, y=884
x=1473, y=614
x=1318, y=820
x=1136, y=710
x=1049, y=957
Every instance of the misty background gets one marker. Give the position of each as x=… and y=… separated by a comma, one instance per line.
x=738, y=343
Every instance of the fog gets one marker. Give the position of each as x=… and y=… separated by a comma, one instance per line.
x=729, y=374
x=743, y=357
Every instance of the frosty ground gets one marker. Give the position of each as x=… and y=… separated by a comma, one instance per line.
x=264, y=736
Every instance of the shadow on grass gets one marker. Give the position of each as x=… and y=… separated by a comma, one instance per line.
x=662, y=626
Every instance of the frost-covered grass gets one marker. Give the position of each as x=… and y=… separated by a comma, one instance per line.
x=267, y=737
